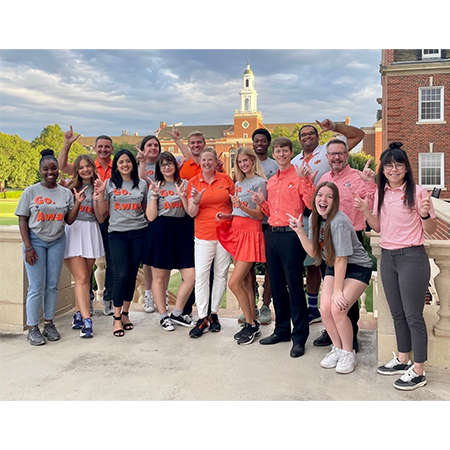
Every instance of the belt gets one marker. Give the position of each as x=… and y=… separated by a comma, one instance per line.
x=280, y=229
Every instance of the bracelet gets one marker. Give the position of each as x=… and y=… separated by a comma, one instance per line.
x=155, y=197
x=333, y=127
x=28, y=249
x=100, y=201
x=426, y=217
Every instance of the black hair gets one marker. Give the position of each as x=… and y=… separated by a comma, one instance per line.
x=148, y=138
x=395, y=154
x=48, y=153
x=168, y=157
x=116, y=177
x=264, y=132
x=308, y=126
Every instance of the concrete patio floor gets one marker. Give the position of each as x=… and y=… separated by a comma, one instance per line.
x=151, y=364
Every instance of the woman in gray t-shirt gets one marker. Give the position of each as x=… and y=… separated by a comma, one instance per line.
x=243, y=237
x=43, y=210
x=125, y=196
x=349, y=267
x=83, y=243
x=170, y=245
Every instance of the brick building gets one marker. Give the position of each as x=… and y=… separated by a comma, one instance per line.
x=416, y=111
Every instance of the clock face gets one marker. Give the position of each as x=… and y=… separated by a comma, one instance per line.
x=245, y=124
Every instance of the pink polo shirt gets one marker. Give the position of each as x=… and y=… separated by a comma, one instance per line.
x=400, y=227
x=349, y=181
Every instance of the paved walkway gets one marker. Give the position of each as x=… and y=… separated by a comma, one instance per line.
x=152, y=364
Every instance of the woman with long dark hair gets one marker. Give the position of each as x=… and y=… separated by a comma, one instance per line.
x=403, y=211
x=170, y=245
x=125, y=196
x=333, y=238
x=83, y=243
x=43, y=210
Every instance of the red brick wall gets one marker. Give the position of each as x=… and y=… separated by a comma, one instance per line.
x=400, y=117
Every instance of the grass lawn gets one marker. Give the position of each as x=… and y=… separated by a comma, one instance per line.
x=7, y=208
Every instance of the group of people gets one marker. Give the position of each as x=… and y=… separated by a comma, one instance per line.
x=288, y=213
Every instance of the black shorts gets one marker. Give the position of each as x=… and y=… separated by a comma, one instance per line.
x=354, y=271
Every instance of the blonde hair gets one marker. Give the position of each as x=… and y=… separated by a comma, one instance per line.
x=257, y=170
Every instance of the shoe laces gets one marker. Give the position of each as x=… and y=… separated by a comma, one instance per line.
x=410, y=374
x=35, y=332
x=87, y=323
x=50, y=326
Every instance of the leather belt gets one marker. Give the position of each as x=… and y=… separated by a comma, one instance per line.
x=280, y=229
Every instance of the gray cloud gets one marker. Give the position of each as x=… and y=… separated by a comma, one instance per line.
x=106, y=91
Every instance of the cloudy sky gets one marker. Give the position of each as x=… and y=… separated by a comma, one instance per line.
x=107, y=91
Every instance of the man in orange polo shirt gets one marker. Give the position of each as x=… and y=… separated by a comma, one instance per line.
x=104, y=149
x=196, y=143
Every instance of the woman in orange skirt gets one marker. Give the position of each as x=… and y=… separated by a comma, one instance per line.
x=240, y=233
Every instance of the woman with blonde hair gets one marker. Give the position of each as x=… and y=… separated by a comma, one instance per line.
x=240, y=233
x=83, y=242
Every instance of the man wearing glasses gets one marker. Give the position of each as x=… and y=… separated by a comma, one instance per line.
x=316, y=156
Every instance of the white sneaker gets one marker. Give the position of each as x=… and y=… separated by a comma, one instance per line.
x=347, y=362
x=149, y=304
x=410, y=380
x=331, y=359
x=394, y=367
x=109, y=307
x=166, y=324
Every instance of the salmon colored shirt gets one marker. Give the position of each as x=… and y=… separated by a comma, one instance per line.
x=347, y=182
x=190, y=169
x=287, y=193
x=400, y=227
x=215, y=199
x=102, y=173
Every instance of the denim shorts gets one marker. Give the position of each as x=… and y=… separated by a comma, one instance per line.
x=354, y=271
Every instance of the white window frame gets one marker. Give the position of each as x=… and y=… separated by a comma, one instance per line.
x=431, y=55
x=441, y=112
x=171, y=149
x=421, y=164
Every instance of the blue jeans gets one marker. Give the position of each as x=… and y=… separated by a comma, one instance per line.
x=43, y=278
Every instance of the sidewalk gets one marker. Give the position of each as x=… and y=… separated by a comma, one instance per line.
x=152, y=364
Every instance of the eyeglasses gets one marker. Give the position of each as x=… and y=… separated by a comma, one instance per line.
x=334, y=154
x=398, y=166
x=311, y=133
x=167, y=165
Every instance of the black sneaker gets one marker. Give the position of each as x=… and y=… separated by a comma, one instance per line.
x=394, y=367
x=239, y=333
x=410, y=380
x=35, y=336
x=247, y=336
x=256, y=331
x=183, y=320
x=50, y=332
x=323, y=340
x=214, y=325
x=202, y=326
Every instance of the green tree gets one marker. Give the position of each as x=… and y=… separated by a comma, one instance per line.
x=124, y=146
x=18, y=162
x=52, y=137
x=359, y=160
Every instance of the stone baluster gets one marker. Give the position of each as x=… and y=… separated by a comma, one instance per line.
x=99, y=275
x=260, y=282
x=440, y=252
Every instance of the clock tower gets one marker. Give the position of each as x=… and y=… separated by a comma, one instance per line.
x=247, y=119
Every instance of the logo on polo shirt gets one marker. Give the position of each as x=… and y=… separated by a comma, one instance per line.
x=348, y=184
x=318, y=161
x=290, y=185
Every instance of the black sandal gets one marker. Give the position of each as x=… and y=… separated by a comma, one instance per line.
x=127, y=326
x=118, y=333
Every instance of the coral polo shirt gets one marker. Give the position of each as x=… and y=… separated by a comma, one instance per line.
x=190, y=169
x=104, y=174
x=216, y=198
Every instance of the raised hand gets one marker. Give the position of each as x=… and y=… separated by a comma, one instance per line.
x=235, y=200
x=367, y=173
x=175, y=134
x=196, y=195
x=69, y=136
x=63, y=182
x=295, y=223
x=424, y=205
x=326, y=125
x=181, y=189
x=361, y=204
x=154, y=187
x=257, y=197
x=140, y=156
x=100, y=186
x=304, y=170
x=80, y=196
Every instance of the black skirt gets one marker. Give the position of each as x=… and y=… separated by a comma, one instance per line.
x=169, y=243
